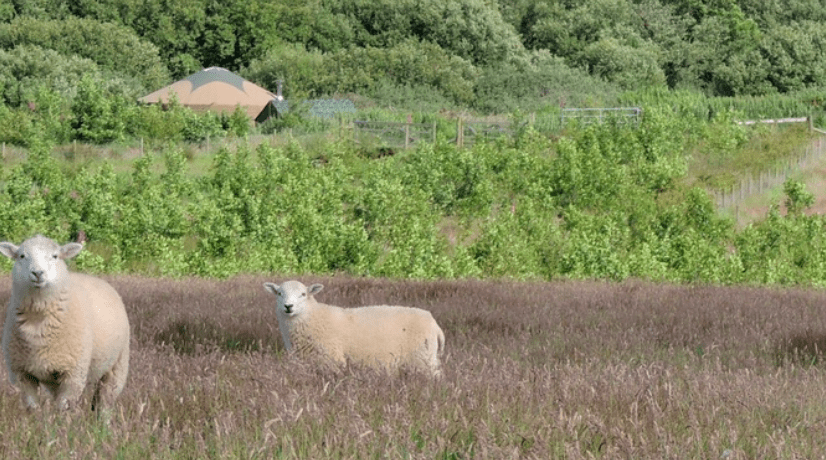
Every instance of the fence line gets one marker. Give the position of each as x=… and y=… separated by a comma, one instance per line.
x=393, y=134
x=599, y=115
x=400, y=134
x=776, y=121
x=765, y=180
x=467, y=132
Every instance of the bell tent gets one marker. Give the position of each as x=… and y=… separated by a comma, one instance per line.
x=218, y=90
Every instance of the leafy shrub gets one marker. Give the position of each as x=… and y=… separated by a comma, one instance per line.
x=470, y=29
x=797, y=198
x=113, y=47
x=521, y=242
x=630, y=65
x=96, y=117
x=237, y=123
x=17, y=126
x=25, y=69
x=457, y=181
x=535, y=80
x=602, y=201
x=408, y=64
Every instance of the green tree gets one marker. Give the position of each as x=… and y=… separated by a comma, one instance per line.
x=539, y=81
x=96, y=117
x=175, y=28
x=797, y=198
x=192, y=34
x=629, y=63
x=795, y=55
x=565, y=28
x=113, y=47
x=310, y=24
x=25, y=69
x=612, y=39
x=303, y=70
x=788, y=12
x=6, y=11
x=471, y=29
x=721, y=54
x=363, y=70
x=39, y=9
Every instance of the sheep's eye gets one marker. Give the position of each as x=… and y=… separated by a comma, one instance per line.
x=22, y=256
x=54, y=256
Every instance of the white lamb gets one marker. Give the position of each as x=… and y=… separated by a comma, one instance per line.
x=386, y=336
x=63, y=329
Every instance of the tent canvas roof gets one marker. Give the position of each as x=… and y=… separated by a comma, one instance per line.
x=215, y=89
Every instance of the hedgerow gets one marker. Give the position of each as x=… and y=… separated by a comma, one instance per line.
x=601, y=202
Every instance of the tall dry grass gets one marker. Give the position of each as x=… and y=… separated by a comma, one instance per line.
x=532, y=370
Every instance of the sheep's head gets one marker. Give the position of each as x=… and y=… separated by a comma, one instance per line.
x=39, y=262
x=292, y=296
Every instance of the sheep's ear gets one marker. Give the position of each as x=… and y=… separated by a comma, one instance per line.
x=69, y=250
x=9, y=250
x=272, y=287
x=315, y=289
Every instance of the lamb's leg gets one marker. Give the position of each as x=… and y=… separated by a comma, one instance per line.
x=68, y=390
x=430, y=357
x=29, y=385
x=111, y=384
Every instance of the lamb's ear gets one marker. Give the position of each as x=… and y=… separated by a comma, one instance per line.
x=272, y=287
x=9, y=250
x=315, y=289
x=69, y=250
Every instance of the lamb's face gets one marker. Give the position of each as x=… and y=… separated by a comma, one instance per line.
x=39, y=261
x=292, y=296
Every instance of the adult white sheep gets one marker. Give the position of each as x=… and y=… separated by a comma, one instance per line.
x=386, y=336
x=63, y=330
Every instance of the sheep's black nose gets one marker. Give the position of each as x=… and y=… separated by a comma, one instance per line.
x=288, y=308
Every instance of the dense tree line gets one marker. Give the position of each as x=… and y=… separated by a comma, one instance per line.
x=519, y=53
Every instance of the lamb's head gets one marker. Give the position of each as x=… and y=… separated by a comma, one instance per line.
x=292, y=296
x=39, y=262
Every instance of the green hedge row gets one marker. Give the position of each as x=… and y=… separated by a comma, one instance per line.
x=598, y=202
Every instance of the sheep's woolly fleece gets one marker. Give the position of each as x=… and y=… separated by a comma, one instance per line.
x=63, y=329
x=384, y=336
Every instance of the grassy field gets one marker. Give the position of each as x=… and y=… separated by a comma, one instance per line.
x=532, y=370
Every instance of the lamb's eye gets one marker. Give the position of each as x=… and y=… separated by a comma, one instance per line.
x=54, y=256
x=22, y=256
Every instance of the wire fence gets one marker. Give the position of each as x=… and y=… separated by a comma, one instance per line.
x=766, y=180
x=393, y=134
x=587, y=116
x=469, y=132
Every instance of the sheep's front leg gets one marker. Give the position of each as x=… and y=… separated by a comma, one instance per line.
x=111, y=383
x=29, y=385
x=66, y=390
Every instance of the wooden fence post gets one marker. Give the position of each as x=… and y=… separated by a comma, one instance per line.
x=460, y=133
x=406, y=135
x=434, y=133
